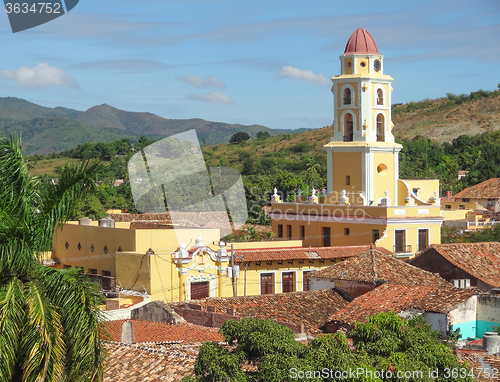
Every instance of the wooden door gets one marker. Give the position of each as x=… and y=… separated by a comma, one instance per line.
x=199, y=290
x=266, y=283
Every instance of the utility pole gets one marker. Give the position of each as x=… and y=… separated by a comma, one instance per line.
x=233, y=278
x=234, y=270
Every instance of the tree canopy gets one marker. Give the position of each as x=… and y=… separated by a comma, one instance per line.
x=238, y=137
x=385, y=348
x=49, y=318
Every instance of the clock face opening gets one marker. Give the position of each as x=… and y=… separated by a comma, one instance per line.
x=377, y=65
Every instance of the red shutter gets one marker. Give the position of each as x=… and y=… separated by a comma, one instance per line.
x=199, y=290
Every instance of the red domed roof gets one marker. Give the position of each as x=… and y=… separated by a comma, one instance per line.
x=361, y=42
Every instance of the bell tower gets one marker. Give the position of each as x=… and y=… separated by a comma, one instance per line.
x=362, y=155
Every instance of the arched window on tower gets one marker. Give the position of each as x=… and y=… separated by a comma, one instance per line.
x=347, y=96
x=380, y=128
x=380, y=97
x=348, y=128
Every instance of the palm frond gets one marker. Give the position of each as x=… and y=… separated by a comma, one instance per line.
x=59, y=200
x=42, y=342
x=16, y=186
x=16, y=260
x=79, y=302
x=11, y=323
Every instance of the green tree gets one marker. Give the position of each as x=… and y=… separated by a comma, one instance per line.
x=239, y=137
x=263, y=135
x=49, y=318
x=385, y=343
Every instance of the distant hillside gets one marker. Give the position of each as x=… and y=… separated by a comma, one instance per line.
x=46, y=130
x=48, y=135
x=108, y=117
x=16, y=108
x=444, y=119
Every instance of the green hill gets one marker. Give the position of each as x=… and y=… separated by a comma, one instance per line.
x=446, y=118
x=46, y=130
x=151, y=125
x=48, y=135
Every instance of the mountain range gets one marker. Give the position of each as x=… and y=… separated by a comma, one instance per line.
x=46, y=130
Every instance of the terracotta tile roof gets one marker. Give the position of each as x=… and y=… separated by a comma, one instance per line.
x=131, y=363
x=300, y=253
x=476, y=360
x=155, y=332
x=489, y=189
x=398, y=298
x=193, y=219
x=310, y=308
x=494, y=361
x=481, y=260
x=375, y=266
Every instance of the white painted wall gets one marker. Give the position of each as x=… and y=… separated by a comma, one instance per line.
x=438, y=321
x=318, y=284
x=488, y=308
x=464, y=312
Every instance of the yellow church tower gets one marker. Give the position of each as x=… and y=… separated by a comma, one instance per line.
x=365, y=201
x=362, y=155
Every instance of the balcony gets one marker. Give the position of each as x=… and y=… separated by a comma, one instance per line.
x=402, y=249
x=348, y=138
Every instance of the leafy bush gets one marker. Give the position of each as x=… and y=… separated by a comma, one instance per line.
x=239, y=137
x=385, y=343
x=301, y=147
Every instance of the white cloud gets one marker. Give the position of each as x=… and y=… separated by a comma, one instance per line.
x=39, y=76
x=200, y=82
x=212, y=97
x=289, y=71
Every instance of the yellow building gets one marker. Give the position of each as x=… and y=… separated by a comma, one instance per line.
x=154, y=262
x=365, y=201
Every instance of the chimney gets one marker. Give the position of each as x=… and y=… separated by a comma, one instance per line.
x=127, y=332
x=449, y=194
x=84, y=221
x=106, y=222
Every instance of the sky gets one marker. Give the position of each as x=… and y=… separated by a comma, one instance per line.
x=256, y=62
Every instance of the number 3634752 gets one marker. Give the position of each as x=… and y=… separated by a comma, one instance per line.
x=33, y=8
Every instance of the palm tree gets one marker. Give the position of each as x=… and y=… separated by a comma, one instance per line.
x=49, y=318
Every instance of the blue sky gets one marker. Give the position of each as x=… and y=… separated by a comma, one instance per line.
x=256, y=62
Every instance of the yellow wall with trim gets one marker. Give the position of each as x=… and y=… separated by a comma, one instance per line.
x=454, y=214
x=254, y=270
x=158, y=274
x=385, y=90
x=347, y=68
x=382, y=183
x=359, y=234
x=434, y=235
x=351, y=166
x=426, y=188
x=88, y=236
x=354, y=95
x=359, y=68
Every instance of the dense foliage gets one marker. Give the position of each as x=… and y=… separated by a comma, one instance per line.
x=239, y=137
x=385, y=348
x=422, y=158
x=49, y=318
